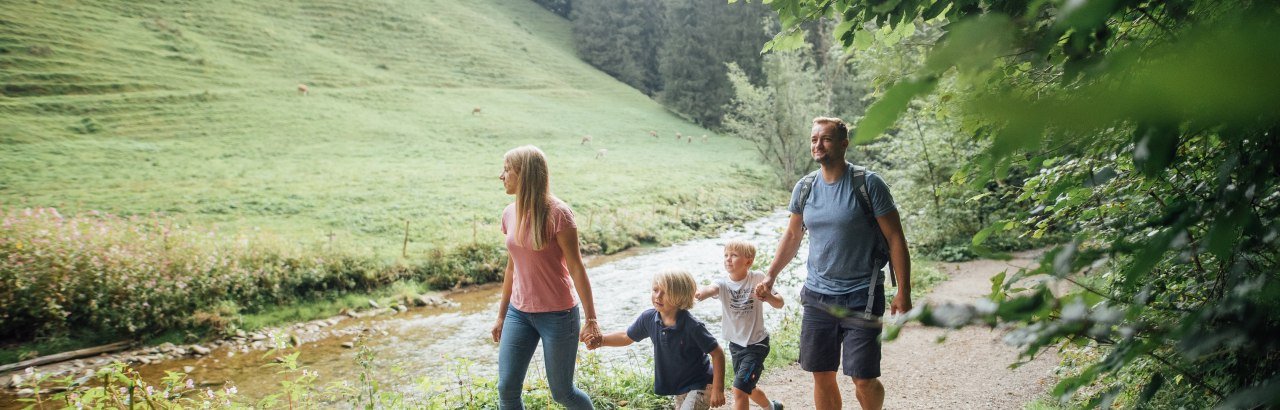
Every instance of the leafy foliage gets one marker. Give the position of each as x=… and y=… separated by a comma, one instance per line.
x=1146, y=128
x=775, y=117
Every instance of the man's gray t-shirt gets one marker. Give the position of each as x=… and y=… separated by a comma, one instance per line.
x=842, y=239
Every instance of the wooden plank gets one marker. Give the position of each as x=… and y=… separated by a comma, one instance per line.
x=64, y=356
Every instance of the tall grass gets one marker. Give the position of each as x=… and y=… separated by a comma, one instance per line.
x=141, y=275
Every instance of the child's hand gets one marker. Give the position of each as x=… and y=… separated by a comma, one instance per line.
x=590, y=334
x=717, y=397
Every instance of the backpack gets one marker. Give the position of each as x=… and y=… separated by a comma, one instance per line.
x=880, y=255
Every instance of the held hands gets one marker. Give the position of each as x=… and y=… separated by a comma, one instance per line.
x=764, y=289
x=590, y=335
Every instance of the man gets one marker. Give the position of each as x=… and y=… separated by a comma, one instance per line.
x=843, y=295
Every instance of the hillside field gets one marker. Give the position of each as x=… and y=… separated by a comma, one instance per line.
x=190, y=109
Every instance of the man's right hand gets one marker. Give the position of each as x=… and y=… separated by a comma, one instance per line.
x=763, y=289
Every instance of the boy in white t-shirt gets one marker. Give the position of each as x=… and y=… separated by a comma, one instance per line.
x=743, y=322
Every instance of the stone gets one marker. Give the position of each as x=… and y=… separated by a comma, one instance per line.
x=373, y=304
x=348, y=345
x=188, y=369
x=240, y=333
x=26, y=393
x=200, y=350
x=259, y=336
x=15, y=381
x=401, y=308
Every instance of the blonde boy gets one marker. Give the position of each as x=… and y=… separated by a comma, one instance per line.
x=680, y=344
x=743, y=322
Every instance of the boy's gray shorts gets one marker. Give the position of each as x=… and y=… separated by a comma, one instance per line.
x=748, y=364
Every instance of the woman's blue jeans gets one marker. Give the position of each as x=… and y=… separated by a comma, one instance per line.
x=521, y=332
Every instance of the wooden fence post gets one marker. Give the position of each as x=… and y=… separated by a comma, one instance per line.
x=404, y=251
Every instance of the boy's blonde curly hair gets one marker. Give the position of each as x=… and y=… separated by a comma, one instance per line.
x=679, y=286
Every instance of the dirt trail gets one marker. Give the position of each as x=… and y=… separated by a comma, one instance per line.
x=969, y=370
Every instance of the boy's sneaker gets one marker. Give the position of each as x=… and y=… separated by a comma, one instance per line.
x=775, y=405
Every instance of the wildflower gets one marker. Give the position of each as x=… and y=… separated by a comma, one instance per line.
x=30, y=371
x=150, y=390
x=191, y=384
x=124, y=390
x=209, y=392
x=232, y=390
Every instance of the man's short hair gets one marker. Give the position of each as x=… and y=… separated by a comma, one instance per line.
x=679, y=286
x=842, y=129
x=742, y=248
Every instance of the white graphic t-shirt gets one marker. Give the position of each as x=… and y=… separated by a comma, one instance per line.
x=743, y=314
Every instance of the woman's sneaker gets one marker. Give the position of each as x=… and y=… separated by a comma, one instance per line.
x=775, y=405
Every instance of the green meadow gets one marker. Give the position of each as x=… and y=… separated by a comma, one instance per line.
x=190, y=109
x=151, y=126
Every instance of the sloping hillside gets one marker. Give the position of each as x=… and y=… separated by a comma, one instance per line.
x=192, y=109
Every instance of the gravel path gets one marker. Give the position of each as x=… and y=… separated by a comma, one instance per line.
x=969, y=370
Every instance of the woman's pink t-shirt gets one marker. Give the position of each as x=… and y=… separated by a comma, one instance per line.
x=540, y=281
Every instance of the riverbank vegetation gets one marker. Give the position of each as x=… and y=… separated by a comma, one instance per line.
x=1142, y=133
x=162, y=171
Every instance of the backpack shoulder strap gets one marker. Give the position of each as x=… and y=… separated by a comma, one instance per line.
x=864, y=199
x=860, y=186
x=806, y=187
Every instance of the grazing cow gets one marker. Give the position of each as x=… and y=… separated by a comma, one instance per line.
x=679, y=137
x=586, y=139
x=704, y=137
x=690, y=140
x=653, y=134
x=475, y=111
x=600, y=153
x=302, y=89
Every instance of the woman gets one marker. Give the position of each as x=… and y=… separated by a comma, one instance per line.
x=537, y=304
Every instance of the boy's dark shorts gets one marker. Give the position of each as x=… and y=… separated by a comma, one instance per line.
x=827, y=340
x=748, y=364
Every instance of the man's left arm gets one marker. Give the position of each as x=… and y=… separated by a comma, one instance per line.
x=900, y=258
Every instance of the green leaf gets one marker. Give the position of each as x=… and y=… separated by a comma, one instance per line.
x=1149, y=256
x=997, y=287
x=1084, y=14
x=1154, y=147
x=982, y=235
x=885, y=112
x=862, y=40
x=785, y=41
x=1225, y=233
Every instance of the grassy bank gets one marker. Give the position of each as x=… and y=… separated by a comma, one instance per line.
x=179, y=179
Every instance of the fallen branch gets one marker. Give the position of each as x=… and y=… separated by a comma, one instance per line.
x=64, y=356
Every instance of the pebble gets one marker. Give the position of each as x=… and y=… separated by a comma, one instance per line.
x=348, y=345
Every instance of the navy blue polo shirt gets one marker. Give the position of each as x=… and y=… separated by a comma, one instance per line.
x=679, y=352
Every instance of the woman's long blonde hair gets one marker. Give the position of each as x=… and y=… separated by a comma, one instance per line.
x=533, y=193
